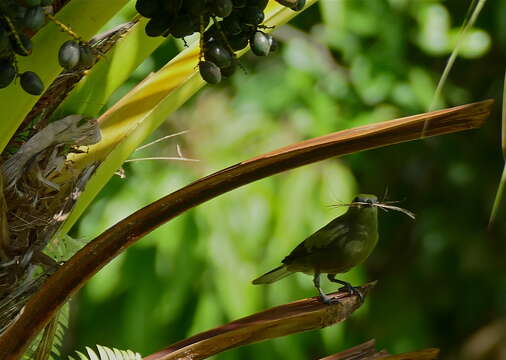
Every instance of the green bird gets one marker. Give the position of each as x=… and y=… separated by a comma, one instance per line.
x=337, y=247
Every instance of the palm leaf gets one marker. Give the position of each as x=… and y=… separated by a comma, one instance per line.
x=105, y=353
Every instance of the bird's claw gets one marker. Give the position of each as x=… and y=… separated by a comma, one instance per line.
x=329, y=300
x=353, y=291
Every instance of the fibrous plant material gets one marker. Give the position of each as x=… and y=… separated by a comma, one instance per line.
x=71, y=130
x=4, y=230
x=29, y=222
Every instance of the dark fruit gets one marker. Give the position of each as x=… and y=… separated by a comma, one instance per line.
x=295, y=5
x=183, y=26
x=239, y=4
x=29, y=3
x=157, y=26
x=34, y=18
x=262, y=4
x=196, y=7
x=260, y=43
x=171, y=8
x=238, y=42
x=31, y=83
x=68, y=56
x=218, y=54
x=222, y=8
x=86, y=56
x=5, y=44
x=7, y=73
x=18, y=13
x=210, y=72
x=235, y=24
x=228, y=71
x=211, y=34
x=231, y=25
x=252, y=16
x=299, y=5
x=148, y=8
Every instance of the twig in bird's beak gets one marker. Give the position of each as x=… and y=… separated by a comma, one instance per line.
x=382, y=205
x=396, y=208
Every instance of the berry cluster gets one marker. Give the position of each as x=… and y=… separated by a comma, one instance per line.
x=17, y=19
x=73, y=54
x=235, y=24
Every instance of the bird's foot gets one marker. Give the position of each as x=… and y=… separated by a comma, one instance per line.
x=329, y=300
x=352, y=290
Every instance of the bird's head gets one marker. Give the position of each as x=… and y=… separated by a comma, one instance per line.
x=369, y=204
x=365, y=200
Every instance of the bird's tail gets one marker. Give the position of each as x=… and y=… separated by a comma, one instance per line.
x=273, y=275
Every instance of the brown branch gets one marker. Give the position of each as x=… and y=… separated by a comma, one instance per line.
x=298, y=316
x=74, y=273
x=427, y=354
x=367, y=351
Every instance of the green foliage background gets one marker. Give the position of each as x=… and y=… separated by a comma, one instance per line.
x=441, y=278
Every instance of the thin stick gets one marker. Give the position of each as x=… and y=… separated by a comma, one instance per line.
x=503, y=120
x=161, y=139
x=500, y=189
x=382, y=205
x=498, y=197
x=451, y=59
x=63, y=27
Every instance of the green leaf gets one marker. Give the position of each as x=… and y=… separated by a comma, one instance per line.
x=43, y=59
x=105, y=353
x=502, y=183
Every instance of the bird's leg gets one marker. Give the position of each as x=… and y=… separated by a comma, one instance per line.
x=325, y=299
x=347, y=286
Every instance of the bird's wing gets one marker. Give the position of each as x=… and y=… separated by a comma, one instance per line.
x=334, y=231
